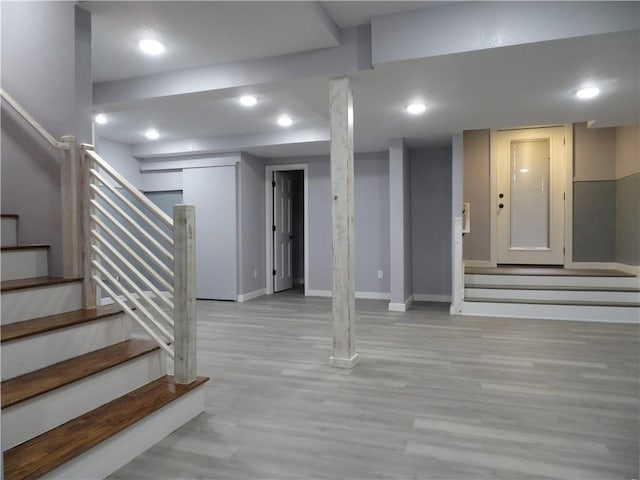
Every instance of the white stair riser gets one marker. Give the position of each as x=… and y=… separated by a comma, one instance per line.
x=17, y=264
x=9, y=229
x=115, y=452
x=551, y=312
x=25, y=304
x=551, y=280
x=38, y=351
x=33, y=417
x=554, y=295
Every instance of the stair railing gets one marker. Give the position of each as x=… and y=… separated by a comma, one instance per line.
x=141, y=258
x=118, y=240
x=70, y=188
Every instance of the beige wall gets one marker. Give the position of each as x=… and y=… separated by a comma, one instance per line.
x=594, y=153
x=477, y=243
x=627, y=145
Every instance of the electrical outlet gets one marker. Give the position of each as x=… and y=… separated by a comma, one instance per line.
x=255, y=273
x=380, y=274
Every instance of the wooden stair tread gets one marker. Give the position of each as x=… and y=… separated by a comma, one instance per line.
x=23, y=246
x=582, y=303
x=23, y=283
x=32, y=384
x=44, y=453
x=567, y=288
x=26, y=328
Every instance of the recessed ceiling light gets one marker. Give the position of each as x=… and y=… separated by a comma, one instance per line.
x=100, y=118
x=152, y=134
x=284, y=120
x=248, y=100
x=416, y=108
x=151, y=46
x=524, y=170
x=588, y=92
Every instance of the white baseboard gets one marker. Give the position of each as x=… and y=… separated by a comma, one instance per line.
x=401, y=307
x=427, y=297
x=374, y=295
x=251, y=295
x=362, y=295
x=479, y=263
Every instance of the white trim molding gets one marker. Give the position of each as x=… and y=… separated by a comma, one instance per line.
x=268, y=203
x=401, y=307
x=251, y=295
x=359, y=295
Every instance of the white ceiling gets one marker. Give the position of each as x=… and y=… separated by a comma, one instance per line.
x=530, y=84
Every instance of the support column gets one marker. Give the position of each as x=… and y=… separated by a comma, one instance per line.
x=457, y=265
x=400, y=227
x=342, y=207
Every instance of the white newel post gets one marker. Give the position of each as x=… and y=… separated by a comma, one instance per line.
x=89, y=287
x=342, y=212
x=184, y=221
x=71, y=186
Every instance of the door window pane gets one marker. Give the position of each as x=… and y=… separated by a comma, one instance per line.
x=529, y=185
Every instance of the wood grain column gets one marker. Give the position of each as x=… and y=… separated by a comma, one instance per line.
x=342, y=207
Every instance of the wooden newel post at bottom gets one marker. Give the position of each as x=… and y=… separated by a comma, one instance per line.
x=184, y=294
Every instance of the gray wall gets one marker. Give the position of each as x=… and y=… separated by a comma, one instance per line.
x=251, y=228
x=606, y=216
x=431, y=221
x=44, y=67
x=371, y=220
x=477, y=169
x=118, y=155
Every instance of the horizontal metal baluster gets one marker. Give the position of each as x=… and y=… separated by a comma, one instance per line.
x=130, y=205
x=132, y=222
x=131, y=268
x=133, y=315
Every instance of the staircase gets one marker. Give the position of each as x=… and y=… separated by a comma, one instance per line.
x=80, y=396
x=552, y=293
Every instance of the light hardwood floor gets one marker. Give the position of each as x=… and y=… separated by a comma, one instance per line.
x=434, y=396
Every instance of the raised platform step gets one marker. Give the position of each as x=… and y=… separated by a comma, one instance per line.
x=560, y=294
x=74, y=441
x=9, y=230
x=39, y=401
x=28, y=298
x=550, y=311
x=546, y=271
x=561, y=281
x=24, y=261
x=584, y=303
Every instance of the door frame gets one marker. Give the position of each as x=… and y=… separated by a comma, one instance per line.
x=268, y=192
x=568, y=190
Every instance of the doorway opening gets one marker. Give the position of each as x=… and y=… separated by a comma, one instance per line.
x=287, y=253
x=529, y=171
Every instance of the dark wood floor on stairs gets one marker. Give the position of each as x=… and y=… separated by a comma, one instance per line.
x=25, y=247
x=9, y=285
x=42, y=454
x=49, y=323
x=27, y=386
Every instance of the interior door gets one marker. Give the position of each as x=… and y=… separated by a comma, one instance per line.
x=213, y=192
x=530, y=191
x=282, y=231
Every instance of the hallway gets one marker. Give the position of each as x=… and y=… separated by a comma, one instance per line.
x=433, y=397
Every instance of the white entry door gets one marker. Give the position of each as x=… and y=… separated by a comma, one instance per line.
x=282, y=231
x=530, y=196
